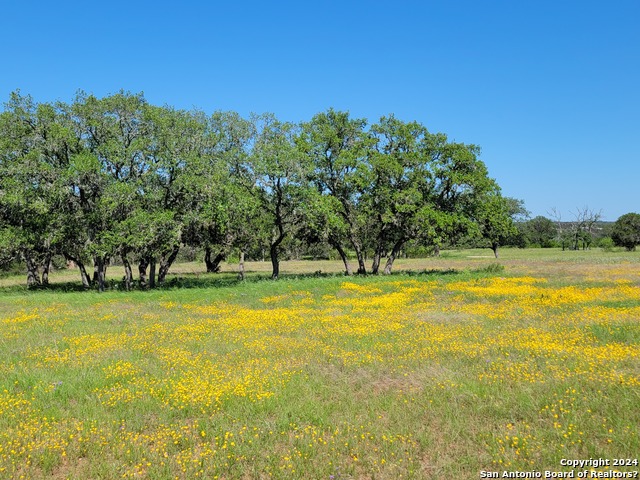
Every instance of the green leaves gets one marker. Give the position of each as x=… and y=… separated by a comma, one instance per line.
x=116, y=176
x=626, y=231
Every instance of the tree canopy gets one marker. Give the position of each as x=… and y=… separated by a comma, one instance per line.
x=100, y=180
x=626, y=231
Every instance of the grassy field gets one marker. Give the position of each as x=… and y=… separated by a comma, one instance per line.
x=441, y=372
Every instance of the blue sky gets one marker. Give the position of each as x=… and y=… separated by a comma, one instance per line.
x=549, y=89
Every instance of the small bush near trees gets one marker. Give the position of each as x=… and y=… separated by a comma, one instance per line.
x=606, y=244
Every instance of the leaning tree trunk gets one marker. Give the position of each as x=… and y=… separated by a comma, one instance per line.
x=494, y=247
x=165, y=263
x=362, y=268
x=213, y=266
x=86, y=280
x=343, y=255
x=392, y=256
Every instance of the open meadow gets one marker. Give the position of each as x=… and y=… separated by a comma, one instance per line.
x=448, y=368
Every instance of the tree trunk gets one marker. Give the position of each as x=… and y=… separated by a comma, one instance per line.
x=241, y=267
x=152, y=272
x=343, y=255
x=100, y=271
x=33, y=275
x=213, y=266
x=105, y=264
x=46, y=266
x=362, y=268
x=392, y=256
x=142, y=271
x=275, y=262
x=128, y=274
x=273, y=252
x=207, y=259
x=494, y=247
x=165, y=263
x=84, y=275
x=86, y=281
x=377, y=256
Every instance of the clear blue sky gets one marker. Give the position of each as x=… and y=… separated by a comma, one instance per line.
x=549, y=89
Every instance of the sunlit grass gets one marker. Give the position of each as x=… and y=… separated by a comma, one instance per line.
x=409, y=376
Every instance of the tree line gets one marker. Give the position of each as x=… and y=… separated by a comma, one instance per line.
x=99, y=179
x=584, y=230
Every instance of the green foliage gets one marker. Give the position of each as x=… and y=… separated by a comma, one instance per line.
x=499, y=221
x=540, y=231
x=626, y=231
x=492, y=268
x=111, y=178
x=318, y=377
x=606, y=244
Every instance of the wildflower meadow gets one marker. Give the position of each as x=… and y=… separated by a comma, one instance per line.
x=427, y=374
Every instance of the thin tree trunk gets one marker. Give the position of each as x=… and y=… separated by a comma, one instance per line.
x=105, y=265
x=46, y=266
x=86, y=280
x=392, y=256
x=275, y=262
x=348, y=216
x=152, y=272
x=377, y=256
x=165, y=264
x=128, y=274
x=273, y=252
x=84, y=275
x=33, y=275
x=241, y=266
x=343, y=255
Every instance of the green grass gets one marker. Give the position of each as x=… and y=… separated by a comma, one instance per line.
x=192, y=275
x=455, y=367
